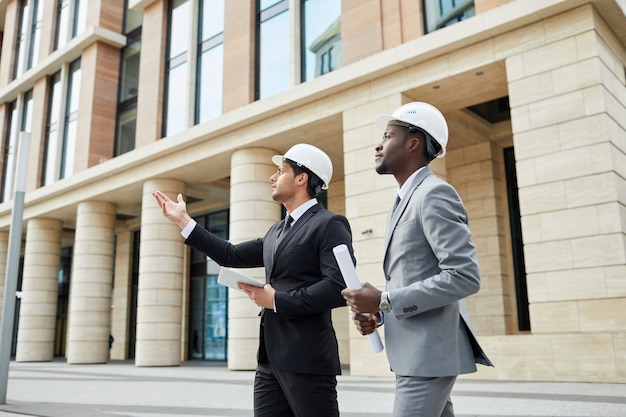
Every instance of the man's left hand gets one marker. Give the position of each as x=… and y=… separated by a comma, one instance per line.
x=261, y=296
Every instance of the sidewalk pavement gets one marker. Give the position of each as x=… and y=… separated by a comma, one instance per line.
x=196, y=388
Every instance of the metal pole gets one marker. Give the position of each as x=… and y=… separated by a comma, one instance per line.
x=13, y=262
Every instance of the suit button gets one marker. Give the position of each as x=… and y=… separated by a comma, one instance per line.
x=413, y=308
x=406, y=310
x=388, y=278
x=272, y=281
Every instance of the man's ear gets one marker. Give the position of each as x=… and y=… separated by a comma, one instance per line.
x=413, y=144
x=303, y=178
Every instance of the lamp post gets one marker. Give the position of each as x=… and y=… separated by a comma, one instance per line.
x=12, y=265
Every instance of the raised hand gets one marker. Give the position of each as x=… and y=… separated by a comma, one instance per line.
x=176, y=212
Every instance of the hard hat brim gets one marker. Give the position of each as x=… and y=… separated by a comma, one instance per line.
x=382, y=120
x=278, y=160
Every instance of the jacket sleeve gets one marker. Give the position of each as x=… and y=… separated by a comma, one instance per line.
x=243, y=255
x=443, y=219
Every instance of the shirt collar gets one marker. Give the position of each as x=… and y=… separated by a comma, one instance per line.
x=402, y=191
x=302, y=208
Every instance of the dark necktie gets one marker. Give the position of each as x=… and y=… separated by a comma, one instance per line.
x=283, y=231
x=395, y=205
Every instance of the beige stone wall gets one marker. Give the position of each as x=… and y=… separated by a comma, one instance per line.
x=477, y=174
x=98, y=105
x=568, y=106
x=239, y=57
x=150, y=89
x=366, y=194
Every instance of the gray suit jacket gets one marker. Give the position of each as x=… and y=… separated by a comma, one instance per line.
x=430, y=266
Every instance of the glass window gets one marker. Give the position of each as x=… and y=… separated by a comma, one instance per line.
x=321, y=37
x=128, y=85
x=71, y=20
x=210, y=73
x=273, y=49
x=10, y=152
x=21, y=50
x=71, y=120
x=52, y=150
x=208, y=300
x=442, y=13
x=175, y=116
x=35, y=33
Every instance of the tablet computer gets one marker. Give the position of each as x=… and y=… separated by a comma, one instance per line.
x=230, y=278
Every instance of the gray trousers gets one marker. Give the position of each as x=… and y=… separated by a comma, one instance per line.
x=423, y=397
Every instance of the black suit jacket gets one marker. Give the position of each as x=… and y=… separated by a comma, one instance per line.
x=299, y=336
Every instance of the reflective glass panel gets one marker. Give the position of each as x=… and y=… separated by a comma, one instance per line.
x=274, y=46
x=63, y=23
x=212, y=18
x=10, y=153
x=211, y=76
x=179, y=28
x=130, y=71
x=71, y=116
x=52, y=142
x=177, y=100
x=126, y=129
x=321, y=28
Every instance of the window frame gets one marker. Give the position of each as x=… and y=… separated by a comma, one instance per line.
x=126, y=105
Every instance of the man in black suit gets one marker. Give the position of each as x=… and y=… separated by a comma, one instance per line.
x=298, y=357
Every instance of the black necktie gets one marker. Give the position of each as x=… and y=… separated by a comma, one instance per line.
x=283, y=231
x=395, y=205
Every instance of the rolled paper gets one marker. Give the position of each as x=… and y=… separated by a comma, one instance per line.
x=344, y=260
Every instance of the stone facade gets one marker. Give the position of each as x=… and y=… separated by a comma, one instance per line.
x=560, y=63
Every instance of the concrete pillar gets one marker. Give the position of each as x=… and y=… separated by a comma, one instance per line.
x=161, y=266
x=568, y=131
x=341, y=316
x=252, y=212
x=4, y=247
x=40, y=289
x=91, y=284
x=369, y=197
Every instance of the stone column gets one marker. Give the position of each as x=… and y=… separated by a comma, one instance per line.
x=40, y=289
x=161, y=266
x=91, y=284
x=252, y=212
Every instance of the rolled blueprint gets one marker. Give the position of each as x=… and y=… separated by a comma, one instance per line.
x=352, y=282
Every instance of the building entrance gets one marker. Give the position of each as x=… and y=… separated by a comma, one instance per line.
x=208, y=300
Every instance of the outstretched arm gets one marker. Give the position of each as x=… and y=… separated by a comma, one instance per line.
x=176, y=212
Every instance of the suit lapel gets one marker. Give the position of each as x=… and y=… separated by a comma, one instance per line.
x=395, y=215
x=293, y=232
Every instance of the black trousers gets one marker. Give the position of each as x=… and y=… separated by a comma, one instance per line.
x=290, y=394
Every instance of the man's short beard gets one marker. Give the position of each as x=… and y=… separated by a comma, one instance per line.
x=382, y=169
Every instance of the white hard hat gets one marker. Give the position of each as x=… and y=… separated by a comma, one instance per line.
x=310, y=157
x=423, y=116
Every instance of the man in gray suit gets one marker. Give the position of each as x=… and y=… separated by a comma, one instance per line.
x=430, y=266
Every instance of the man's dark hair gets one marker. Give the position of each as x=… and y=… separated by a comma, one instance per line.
x=314, y=183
